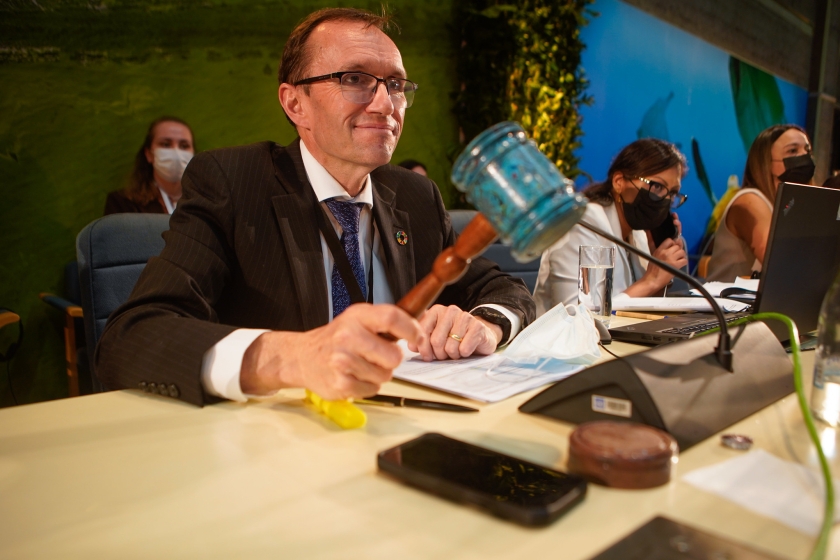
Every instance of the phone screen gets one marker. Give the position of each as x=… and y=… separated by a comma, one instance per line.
x=499, y=477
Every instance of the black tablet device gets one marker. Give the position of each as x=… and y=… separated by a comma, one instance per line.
x=505, y=486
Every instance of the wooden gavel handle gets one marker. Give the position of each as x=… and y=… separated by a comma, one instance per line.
x=450, y=265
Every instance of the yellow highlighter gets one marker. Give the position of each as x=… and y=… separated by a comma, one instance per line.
x=344, y=413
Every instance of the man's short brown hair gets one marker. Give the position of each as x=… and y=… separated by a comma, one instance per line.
x=295, y=59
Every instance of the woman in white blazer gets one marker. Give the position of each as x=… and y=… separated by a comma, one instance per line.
x=640, y=192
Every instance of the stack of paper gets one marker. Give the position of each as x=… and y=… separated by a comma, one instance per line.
x=488, y=379
x=624, y=302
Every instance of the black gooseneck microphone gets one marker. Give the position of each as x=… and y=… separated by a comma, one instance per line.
x=723, y=351
x=690, y=388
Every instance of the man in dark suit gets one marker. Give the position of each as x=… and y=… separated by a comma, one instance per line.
x=241, y=299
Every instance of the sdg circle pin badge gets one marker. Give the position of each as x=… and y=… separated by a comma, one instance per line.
x=402, y=237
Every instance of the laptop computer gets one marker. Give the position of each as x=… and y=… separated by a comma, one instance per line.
x=800, y=263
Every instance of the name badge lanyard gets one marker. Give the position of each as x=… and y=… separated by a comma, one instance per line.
x=170, y=207
x=342, y=262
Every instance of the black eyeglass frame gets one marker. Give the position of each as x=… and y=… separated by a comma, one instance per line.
x=677, y=198
x=409, y=100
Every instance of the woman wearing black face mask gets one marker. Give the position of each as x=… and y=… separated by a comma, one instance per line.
x=641, y=190
x=781, y=153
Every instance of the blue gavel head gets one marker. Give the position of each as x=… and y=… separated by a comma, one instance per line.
x=519, y=190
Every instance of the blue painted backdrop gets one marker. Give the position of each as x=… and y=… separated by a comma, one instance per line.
x=648, y=78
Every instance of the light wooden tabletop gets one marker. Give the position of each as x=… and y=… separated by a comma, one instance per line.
x=129, y=475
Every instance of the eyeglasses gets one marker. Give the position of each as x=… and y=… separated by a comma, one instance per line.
x=360, y=87
x=658, y=191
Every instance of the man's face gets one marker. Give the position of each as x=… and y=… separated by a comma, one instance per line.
x=341, y=134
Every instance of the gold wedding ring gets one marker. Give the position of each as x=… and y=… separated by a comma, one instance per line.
x=455, y=337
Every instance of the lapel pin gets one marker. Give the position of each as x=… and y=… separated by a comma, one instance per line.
x=402, y=237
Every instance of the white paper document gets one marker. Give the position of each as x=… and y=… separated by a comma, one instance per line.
x=561, y=342
x=487, y=379
x=676, y=304
x=761, y=482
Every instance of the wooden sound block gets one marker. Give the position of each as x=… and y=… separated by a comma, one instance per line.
x=622, y=454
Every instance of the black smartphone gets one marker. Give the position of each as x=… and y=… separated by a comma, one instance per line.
x=505, y=486
x=666, y=230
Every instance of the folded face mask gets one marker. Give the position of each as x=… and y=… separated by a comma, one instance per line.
x=563, y=333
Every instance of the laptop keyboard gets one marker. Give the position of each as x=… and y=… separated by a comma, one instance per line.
x=702, y=325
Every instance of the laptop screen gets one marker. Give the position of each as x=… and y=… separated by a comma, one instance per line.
x=802, y=256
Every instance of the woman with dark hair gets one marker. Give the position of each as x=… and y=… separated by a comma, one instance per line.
x=155, y=184
x=781, y=153
x=641, y=189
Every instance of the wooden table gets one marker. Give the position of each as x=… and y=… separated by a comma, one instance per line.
x=129, y=475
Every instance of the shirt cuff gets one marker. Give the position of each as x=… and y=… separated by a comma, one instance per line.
x=515, y=322
x=222, y=364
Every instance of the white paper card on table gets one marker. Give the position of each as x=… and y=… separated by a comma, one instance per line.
x=558, y=344
x=715, y=288
x=747, y=283
x=623, y=302
x=761, y=482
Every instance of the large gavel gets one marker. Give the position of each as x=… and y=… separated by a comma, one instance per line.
x=521, y=197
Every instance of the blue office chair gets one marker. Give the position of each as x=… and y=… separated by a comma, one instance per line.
x=460, y=219
x=499, y=252
x=112, y=252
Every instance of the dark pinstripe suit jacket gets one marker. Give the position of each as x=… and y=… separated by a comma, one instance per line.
x=243, y=250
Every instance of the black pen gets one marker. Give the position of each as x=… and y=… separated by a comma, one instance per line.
x=388, y=400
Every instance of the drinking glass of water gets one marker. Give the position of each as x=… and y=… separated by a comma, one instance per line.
x=595, y=280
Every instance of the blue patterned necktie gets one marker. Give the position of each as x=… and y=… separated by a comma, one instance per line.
x=347, y=214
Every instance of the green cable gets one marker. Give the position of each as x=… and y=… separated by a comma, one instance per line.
x=821, y=546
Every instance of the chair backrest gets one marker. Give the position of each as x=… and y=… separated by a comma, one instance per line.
x=499, y=252
x=460, y=219
x=72, y=292
x=703, y=266
x=112, y=252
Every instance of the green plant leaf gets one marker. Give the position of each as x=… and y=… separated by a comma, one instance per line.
x=520, y=61
x=758, y=103
x=700, y=170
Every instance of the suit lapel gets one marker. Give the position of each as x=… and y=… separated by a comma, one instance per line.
x=295, y=211
x=399, y=265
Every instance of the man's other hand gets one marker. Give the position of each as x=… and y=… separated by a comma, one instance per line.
x=476, y=335
x=344, y=359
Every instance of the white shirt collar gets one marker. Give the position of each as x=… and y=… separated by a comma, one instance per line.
x=170, y=206
x=325, y=185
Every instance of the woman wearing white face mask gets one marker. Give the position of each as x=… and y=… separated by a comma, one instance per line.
x=155, y=185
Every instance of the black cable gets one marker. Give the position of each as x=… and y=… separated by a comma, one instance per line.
x=610, y=352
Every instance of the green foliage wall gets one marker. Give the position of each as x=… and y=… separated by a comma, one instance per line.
x=79, y=83
x=520, y=60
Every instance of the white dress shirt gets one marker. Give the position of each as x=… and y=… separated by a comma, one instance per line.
x=223, y=362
